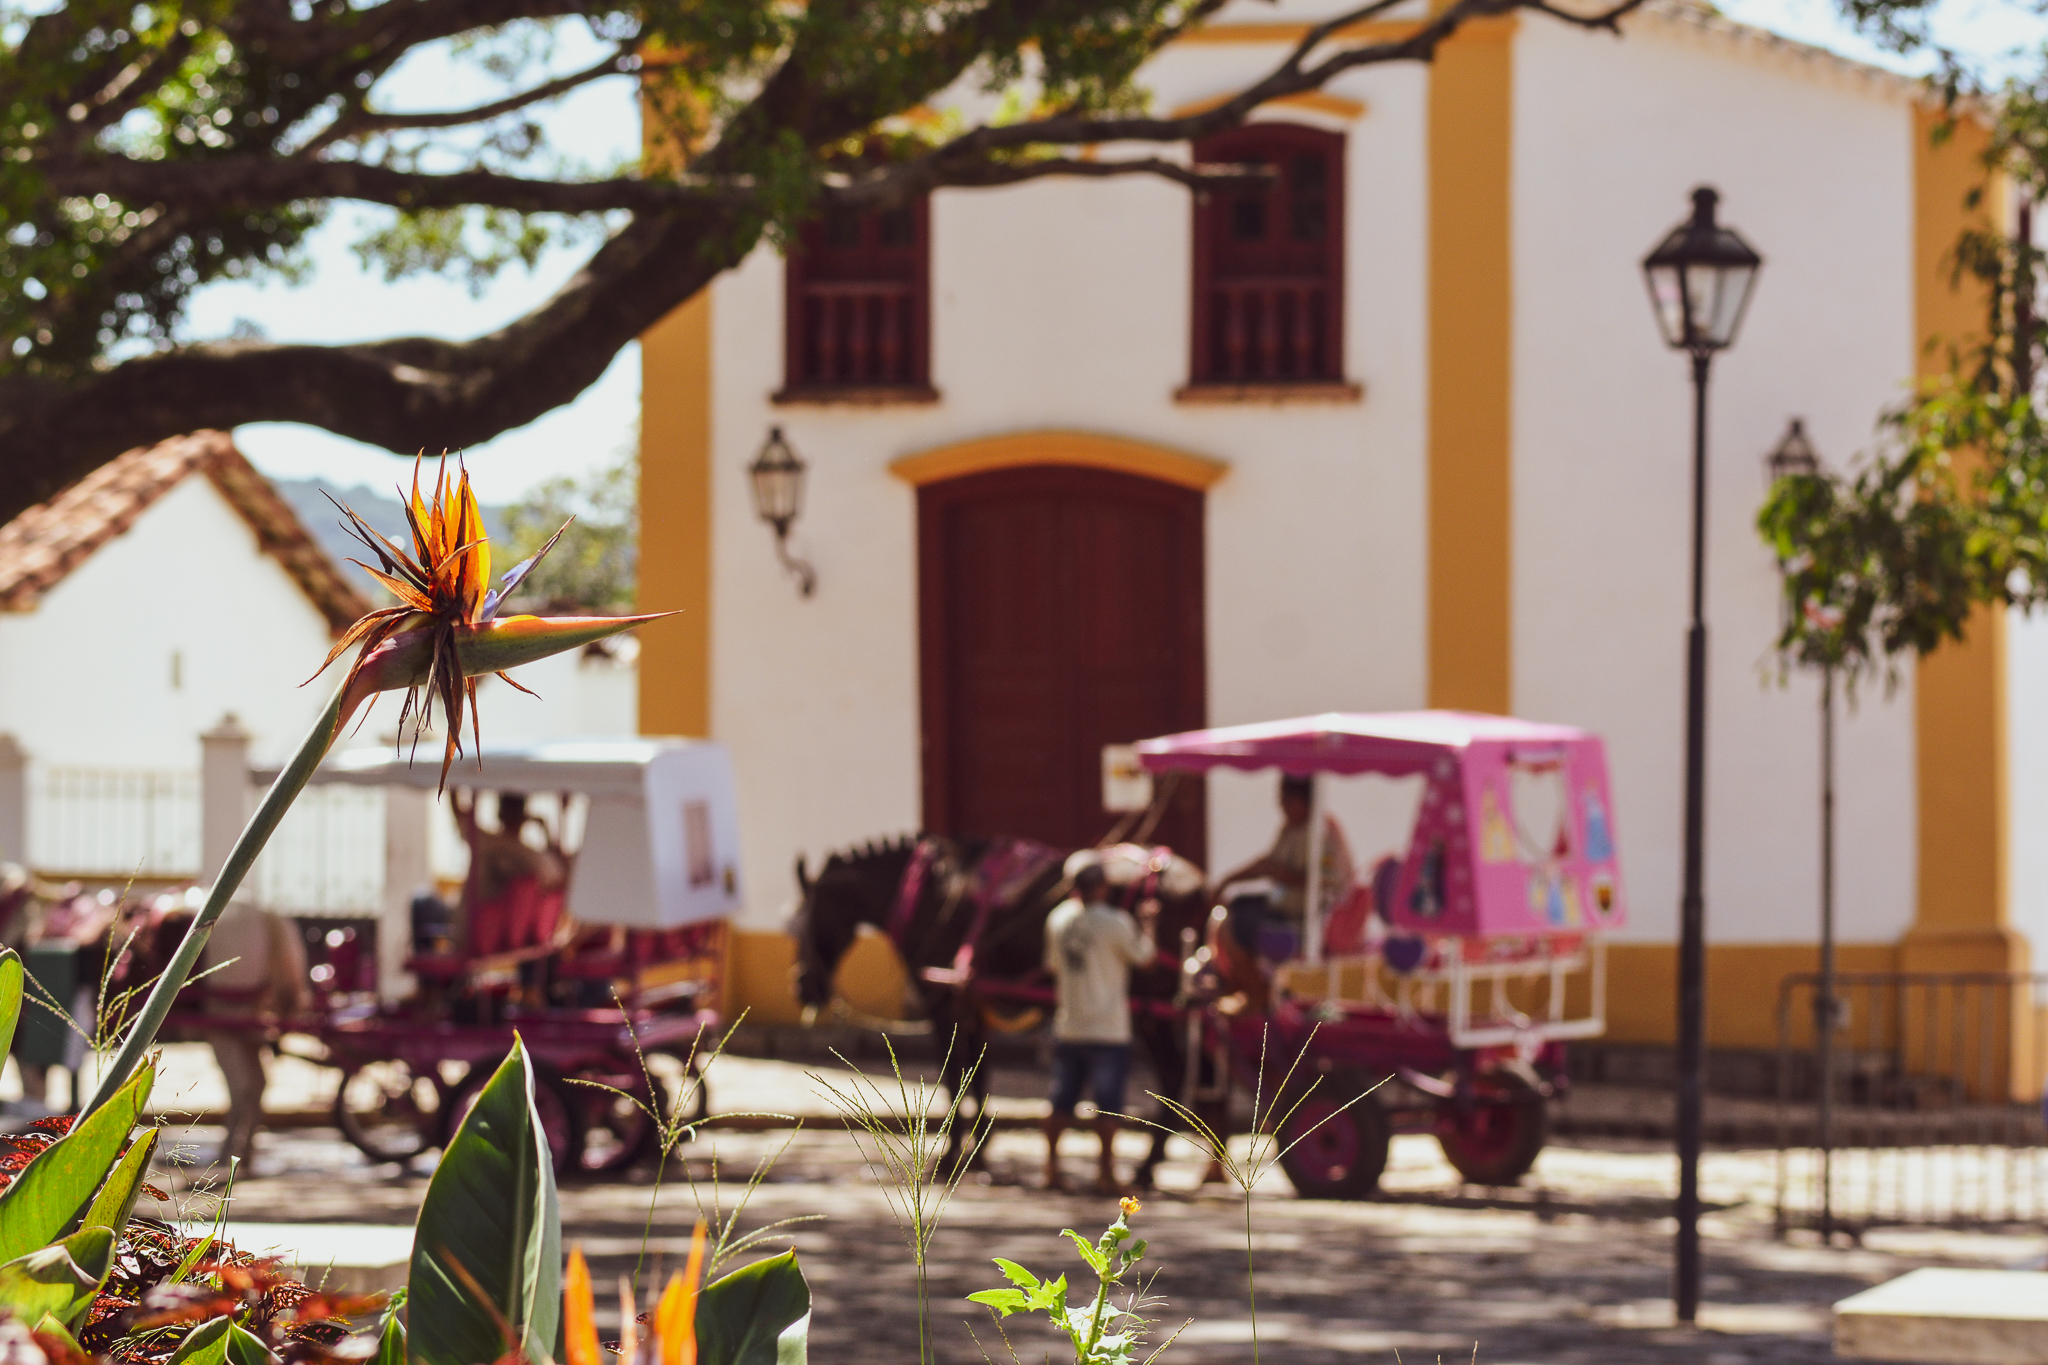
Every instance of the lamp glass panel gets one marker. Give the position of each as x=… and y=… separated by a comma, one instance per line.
x=1668, y=301
x=1731, y=301
x=778, y=488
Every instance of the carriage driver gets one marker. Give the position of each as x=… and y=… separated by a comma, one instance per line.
x=1275, y=935
x=1090, y=948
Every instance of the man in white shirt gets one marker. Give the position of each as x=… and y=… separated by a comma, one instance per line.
x=1090, y=948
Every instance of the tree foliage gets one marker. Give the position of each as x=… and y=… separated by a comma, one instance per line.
x=595, y=564
x=148, y=150
x=1951, y=512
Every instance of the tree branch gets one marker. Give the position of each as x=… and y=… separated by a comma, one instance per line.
x=366, y=123
x=405, y=394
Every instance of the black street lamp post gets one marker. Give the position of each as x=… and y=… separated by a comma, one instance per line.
x=1700, y=277
x=1795, y=457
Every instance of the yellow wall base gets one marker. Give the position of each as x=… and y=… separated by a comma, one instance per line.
x=761, y=979
x=1742, y=988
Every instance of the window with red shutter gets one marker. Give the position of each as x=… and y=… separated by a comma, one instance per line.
x=858, y=311
x=1269, y=261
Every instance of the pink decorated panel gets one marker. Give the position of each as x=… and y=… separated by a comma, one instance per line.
x=1513, y=838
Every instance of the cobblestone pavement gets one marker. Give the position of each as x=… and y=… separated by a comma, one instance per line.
x=1572, y=1268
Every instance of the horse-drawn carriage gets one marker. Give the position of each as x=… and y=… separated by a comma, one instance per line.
x=1445, y=986
x=1448, y=981
x=610, y=977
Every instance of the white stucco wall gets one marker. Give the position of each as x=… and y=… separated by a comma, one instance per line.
x=2026, y=700
x=86, y=679
x=1815, y=169
x=1065, y=306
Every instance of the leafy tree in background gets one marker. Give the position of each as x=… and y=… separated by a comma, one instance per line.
x=147, y=150
x=594, y=566
x=1952, y=511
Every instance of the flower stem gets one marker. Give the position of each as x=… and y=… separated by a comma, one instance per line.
x=1251, y=1283
x=255, y=834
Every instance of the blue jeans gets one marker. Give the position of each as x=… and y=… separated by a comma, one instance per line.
x=1101, y=1068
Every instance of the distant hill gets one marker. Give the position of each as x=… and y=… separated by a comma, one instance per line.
x=308, y=498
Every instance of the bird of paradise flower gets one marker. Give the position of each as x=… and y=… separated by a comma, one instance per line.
x=444, y=633
x=444, y=595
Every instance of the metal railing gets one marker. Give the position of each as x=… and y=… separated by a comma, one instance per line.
x=1270, y=328
x=115, y=822
x=858, y=332
x=1924, y=1108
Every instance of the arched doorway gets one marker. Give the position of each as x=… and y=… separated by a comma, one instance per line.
x=1060, y=610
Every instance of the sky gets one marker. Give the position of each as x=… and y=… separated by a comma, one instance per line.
x=343, y=302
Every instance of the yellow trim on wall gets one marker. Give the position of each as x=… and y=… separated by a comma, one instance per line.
x=1080, y=448
x=675, y=521
x=1471, y=379
x=1314, y=101
x=1959, y=690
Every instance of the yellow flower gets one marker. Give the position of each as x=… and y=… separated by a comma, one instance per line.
x=445, y=630
x=1130, y=1205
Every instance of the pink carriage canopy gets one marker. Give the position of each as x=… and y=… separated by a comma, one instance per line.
x=1471, y=868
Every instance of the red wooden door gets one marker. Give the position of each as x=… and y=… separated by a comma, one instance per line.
x=1061, y=610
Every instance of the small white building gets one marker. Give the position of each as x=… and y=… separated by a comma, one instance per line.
x=1095, y=460
x=172, y=588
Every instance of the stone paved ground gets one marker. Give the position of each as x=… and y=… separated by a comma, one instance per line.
x=1573, y=1268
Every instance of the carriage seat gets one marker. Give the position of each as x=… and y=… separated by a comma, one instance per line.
x=518, y=924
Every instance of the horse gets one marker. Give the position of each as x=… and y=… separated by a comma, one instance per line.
x=965, y=913
x=252, y=979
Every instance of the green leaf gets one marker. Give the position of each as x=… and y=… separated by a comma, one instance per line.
x=758, y=1315
x=1016, y=1274
x=490, y=1209
x=1097, y=1262
x=116, y=1199
x=10, y=997
x=206, y=1344
x=391, y=1341
x=246, y=1348
x=61, y=1280
x=1004, y=1301
x=48, y=1326
x=51, y=1196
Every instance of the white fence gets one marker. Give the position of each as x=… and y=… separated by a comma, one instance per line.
x=114, y=822
x=327, y=856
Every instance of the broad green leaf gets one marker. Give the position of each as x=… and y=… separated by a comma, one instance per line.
x=116, y=1199
x=48, y=1326
x=758, y=1315
x=246, y=1348
x=50, y=1197
x=1004, y=1301
x=10, y=997
x=491, y=1209
x=206, y=1344
x=1016, y=1274
x=61, y=1280
x=391, y=1341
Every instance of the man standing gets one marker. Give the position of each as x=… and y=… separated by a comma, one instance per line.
x=1090, y=948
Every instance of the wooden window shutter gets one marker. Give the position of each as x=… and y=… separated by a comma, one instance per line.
x=1269, y=260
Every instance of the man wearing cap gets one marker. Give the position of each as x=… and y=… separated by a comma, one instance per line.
x=1090, y=948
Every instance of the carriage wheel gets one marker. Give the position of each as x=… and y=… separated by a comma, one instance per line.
x=388, y=1110
x=618, y=1132
x=1335, y=1151
x=560, y=1117
x=1494, y=1138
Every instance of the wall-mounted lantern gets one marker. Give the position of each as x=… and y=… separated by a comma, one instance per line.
x=777, y=479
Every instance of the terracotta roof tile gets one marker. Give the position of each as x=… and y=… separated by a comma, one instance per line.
x=45, y=543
